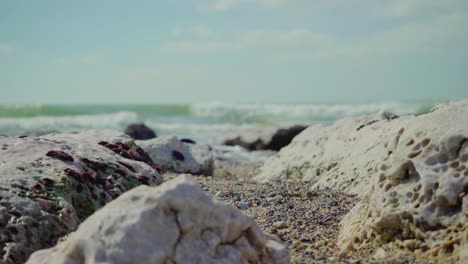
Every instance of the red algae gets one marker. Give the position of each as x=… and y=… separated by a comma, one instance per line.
x=61, y=155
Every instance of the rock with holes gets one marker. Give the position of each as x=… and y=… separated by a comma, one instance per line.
x=174, y=155
x=49, y=184
x=175, y=222
x=410, y=172
x=266, y=137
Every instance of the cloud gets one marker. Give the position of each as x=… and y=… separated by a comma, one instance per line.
x=440, y=36
x=6, y=49
x=437, y=36
x=224, y=5
x=407, y=8
x=200, y=31
x=294, y=38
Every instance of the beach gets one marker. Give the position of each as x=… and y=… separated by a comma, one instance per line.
x=372, y=187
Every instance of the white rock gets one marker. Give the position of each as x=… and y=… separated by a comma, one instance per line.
x=411, y=174
x=41, y=202
x=173, y=223
x=197, y=159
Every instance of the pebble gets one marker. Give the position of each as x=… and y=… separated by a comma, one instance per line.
x=280, y=224
x=220, y=194
x=244, y=205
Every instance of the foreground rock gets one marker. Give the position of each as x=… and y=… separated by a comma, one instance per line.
x=167, y=224
x=140, y=132
x=174, y=155
x=263, y=138
x=49, y=184
x=410, y=172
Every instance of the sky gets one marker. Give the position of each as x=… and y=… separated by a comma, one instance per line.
x=177, y=51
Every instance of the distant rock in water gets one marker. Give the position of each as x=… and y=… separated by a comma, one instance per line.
x=140, y=132
x=174, y=223
x=283, y=137
x=263, y=137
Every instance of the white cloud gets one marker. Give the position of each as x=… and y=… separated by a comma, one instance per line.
x=224, y=5
x=200, y=31
x=440, y=36
x=264, y=39
x=406, y=8
x=6, y=49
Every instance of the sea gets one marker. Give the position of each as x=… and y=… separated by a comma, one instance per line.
x=204, y=122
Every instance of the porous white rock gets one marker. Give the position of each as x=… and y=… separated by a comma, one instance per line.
x=48, y=184
x=411, y=174
x=195, y=159
x=175, y=222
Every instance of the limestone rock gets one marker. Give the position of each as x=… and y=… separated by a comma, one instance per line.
x=172, y=223
x=140, y=131
x=410, y=172
x=173, y=155
x=49, y=184
x=263, y=137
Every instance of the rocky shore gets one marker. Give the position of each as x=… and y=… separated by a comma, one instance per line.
x=378, y=189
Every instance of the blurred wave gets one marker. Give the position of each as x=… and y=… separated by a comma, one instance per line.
x=199, y=120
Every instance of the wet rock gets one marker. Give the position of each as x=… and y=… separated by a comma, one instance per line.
x=166, y=224
x=140, y=132
x=63, y=178
x=283, y=137
x=263, y=137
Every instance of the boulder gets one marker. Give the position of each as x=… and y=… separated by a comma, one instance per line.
x=171, y=154
x=410, y=172
x=262, y=137
x=175, y=222
x=283, y=137
x=140, y=132
x=49, y=184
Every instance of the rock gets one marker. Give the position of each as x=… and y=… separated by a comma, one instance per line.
x=49, y=184
x=243, y=205
x=280, y=224
x=283, y=137
x=166, y=224
x=175, y=156
x=140, y=132
x=411, y=174
x=262, y=137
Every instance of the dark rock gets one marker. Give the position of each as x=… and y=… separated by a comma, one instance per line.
x=284, y=136
x=140, y=132
x=188, y=141
x=263, y=138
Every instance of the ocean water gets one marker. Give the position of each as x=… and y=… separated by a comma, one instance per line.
x=201, y=121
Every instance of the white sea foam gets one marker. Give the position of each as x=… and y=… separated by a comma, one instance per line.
x=10, y=125
x=306, y=111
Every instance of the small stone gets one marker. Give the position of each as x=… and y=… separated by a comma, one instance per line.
x=220, y=194
x=280, y=224
x=244, y=205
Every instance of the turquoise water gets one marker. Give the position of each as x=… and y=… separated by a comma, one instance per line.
x=202, y=121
